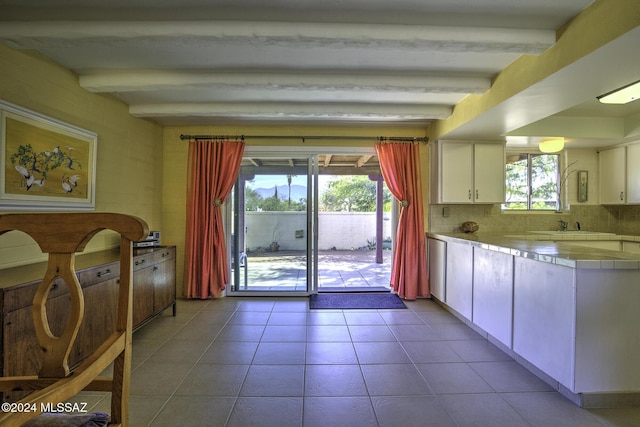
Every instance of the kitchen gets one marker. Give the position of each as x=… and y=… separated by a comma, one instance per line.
x=535, y=97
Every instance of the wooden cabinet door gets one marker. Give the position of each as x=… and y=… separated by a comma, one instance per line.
x=164, y=293
x=143, y=295
x=22, y=354
x=101, y=305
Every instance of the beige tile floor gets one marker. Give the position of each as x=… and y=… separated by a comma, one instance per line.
x=273, y=362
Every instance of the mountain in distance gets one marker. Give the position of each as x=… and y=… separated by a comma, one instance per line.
x=297, y=192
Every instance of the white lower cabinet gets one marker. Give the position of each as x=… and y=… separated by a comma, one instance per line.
x=578, y=326
x=437, y=259
x=607, y=338
x=459, y=273
x=493, y=293
x=544, y=316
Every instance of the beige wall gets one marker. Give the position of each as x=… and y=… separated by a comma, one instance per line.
x=175, y=164
x=141, y=167
x=129, y=150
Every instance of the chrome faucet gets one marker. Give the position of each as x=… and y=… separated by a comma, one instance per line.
x=563, y=225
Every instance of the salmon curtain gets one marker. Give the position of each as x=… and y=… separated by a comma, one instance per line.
x=213, y=169
x=400, y=165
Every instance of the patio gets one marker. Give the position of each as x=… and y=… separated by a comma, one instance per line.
x=337, y=270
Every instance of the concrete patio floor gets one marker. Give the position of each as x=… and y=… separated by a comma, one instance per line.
x=286, y=271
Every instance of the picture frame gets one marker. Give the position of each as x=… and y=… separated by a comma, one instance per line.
x=583, y=186
x=46, y=164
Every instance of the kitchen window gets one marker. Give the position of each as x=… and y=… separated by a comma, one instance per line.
x=532, y=182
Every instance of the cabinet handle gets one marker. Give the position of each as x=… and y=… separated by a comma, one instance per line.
x=54, y=287
x=469, y=194
x=477, y=194
x=622, y=195
x=104, y=273
x=155, y=268
x=140, y=262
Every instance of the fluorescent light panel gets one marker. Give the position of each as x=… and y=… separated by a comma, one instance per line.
x=623, y=95
x=552, y=145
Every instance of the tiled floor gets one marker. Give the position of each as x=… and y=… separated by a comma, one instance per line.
x=273, y=362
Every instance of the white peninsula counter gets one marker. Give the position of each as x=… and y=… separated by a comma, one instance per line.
x=567, y=306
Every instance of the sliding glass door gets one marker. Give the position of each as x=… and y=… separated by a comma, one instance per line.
x=308, y=222
x=273, y=239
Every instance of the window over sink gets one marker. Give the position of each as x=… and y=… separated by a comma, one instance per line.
x=532, y=182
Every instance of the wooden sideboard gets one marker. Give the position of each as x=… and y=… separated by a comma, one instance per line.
x=154, y=290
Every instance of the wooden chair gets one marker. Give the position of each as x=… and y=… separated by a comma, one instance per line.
x=61, y=235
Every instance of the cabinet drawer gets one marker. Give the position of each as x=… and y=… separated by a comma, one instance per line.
x=91, y=276
x=157, y=255
x=18, y=297
x=633, y=247
x=143, y=261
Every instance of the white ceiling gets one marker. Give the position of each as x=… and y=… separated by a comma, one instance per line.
x=285, y=62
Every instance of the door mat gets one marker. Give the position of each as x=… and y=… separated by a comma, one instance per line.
x=353, y=289
x=346, y=301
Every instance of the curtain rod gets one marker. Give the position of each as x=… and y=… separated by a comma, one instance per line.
x=303, y=138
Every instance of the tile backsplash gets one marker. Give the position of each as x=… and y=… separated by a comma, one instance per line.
x=612, y=219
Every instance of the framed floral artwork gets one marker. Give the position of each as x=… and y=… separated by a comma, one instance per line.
x=46, y=164
x=583, y=186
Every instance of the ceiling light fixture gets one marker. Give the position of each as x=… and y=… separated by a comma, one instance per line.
x=551, y=145
x=623, y=95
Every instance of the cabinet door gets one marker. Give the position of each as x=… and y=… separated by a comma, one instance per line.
x=459, y=274
x=633, y=174
x=22, y=354
x=493, y=293
x=456, y=172
x=436, y=250
x=164, y=293
x=489, y=173
x=101, y=311
x=142, y=295
x=544, y=312
x=612, y=176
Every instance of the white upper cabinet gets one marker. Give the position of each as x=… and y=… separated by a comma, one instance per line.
x=466, y=172
x=613, y=176
x=633, y=174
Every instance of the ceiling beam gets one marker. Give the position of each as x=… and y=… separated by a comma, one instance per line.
x=128, y=81
x=26, y=35
x=362, y=161
x=293, y=110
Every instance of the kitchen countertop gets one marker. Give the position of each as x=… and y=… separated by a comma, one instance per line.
x=553, y=248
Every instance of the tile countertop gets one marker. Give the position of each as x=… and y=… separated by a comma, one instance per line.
x=553, y=248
